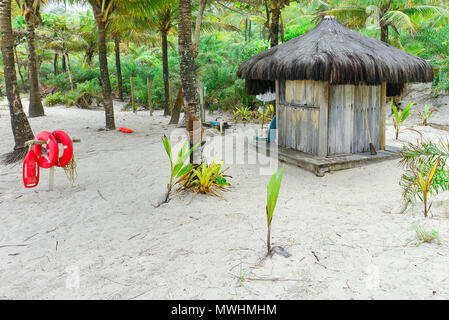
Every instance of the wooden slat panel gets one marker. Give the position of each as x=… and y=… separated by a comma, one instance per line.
x=348, y=116
x=383, y=97
x=278, y=105
x=324, y=118
x=292, y=129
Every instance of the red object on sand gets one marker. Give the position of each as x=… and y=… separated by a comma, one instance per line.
x=126, y=130
x=30, y=172
x=65, y=140
x=49, y=159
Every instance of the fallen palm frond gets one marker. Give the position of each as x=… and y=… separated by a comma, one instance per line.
x=14, y=156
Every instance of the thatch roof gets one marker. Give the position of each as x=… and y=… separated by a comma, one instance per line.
x=331, y=52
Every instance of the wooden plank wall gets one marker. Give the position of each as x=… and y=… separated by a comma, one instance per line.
x=299, y=115
x=299, y=119
x=347, y=133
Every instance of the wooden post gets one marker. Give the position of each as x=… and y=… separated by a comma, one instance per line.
x=263, y=115
x=324, y=118
x=202, y=116
x=170, y=107
x=383, y=101
x=277, y=111
x=51, y=180
x=132, y=95
x=150, y=105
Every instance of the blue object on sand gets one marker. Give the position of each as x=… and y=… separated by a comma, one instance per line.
x=217, y=123
x=272, y=129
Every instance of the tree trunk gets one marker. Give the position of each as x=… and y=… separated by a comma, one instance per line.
x=164, y=35
x=69, y=72
x=64, y=66
x=274, y=28
x=384, y=33
x=199, y=20
x=176, y=108
x=105, y=82
x=179, y=99
x=267, y=23
x=19, y=70
x=19, y=123
x=246, y=29
x=55, y=65
x=89, y=57
x=118, y=67
x=35, y=109
x=187, y=68
x=281, y=28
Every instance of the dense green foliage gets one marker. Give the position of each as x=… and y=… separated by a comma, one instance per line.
x=419, y=27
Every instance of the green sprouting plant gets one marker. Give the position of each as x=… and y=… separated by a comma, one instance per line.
x=178, y=168
x=205, y=178
x=426, y=114
x=425, y=182
x=243, y=113
x=268, y=114
x=424, y=236
x=272, y=196
x=399, y=117
x=429, y=160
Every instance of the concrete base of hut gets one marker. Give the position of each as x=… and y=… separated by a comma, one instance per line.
x=321, y=165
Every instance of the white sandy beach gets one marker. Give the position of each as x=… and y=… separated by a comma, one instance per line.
x=343, y=231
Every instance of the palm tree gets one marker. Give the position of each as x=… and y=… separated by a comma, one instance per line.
x=64, y=39
x=187, y=66
x=186, y=58
x=134, y=28
x=102, y=10
x=384, y=13
x=31, y=12
x=162, y=17
x=21, y=128
x=88, y=36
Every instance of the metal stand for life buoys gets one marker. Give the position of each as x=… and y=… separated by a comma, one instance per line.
x=51, y=180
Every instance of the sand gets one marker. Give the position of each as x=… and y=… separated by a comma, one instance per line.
x=104, y=239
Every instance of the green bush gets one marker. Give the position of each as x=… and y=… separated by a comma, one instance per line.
x=60, y=98
x=83, y=96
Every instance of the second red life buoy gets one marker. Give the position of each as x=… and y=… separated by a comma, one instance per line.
x=30, y=171
x=48, y=159
x=65, y=140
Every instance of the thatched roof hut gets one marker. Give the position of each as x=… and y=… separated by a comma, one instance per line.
x=332, y=53
x=331, y=86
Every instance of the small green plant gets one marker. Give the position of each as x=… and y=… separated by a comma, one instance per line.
x=399, y=117
x=426, y=114
x=272, y=196
x=422, y=156
x=424, y=236
x=178, y=168
x=205, y=178
x=424, y=184
x=243, y=114
x=268, y=115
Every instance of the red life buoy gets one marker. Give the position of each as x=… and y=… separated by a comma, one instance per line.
x=49, y=159
x=30, y=171
x=65, y=140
